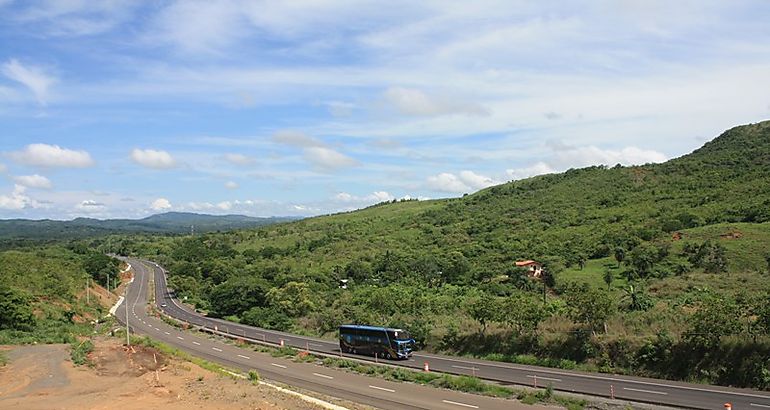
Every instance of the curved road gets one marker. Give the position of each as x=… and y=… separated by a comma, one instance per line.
x=623, y=387
x=349, y=386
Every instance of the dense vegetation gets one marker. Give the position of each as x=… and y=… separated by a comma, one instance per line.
x=657, y=270
x=42, y=293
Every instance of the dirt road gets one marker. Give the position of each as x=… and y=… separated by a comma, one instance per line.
x=42, y=377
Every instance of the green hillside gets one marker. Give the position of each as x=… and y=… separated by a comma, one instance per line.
x=42, y=293
x=658, y=269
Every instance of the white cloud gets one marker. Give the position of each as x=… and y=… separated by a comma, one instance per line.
x=231, y=185
x=34, y=181
x=563, y=157
x=417, y=103
x=160, y=204
x=446, y=182
x=238, y=159
x=464, y=182
x=327, y=159
x=91, y=206
x=208, y=26
x=567, y=156
x=151, y=158
x=476, y=181
x=297, y=139
x=17, y=200
x=31, y=77
x=44, y=155
x=74, y=17
x=538, y=168
x=374, y=197
x=340, y=108
x=225, y=205
x=3, y=168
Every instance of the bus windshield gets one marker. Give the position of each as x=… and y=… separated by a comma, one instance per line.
x=399, y=335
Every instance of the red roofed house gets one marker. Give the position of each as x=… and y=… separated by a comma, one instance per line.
x=535, y=269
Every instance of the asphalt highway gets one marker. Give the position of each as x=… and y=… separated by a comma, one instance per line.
x=638, y=389
x=349, y=386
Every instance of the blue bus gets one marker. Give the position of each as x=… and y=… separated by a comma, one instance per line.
x=371, y=340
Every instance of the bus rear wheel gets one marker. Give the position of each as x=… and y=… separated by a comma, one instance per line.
x=388, y=356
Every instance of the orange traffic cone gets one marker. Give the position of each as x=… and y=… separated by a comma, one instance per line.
x=426, y=367
x=728, y=406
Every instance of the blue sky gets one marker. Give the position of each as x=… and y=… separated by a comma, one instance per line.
x=126, y=108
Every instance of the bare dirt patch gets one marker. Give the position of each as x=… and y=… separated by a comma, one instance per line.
x=42, y=377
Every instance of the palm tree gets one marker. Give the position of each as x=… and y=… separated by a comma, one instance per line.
x=635, y=298
x=608, y=277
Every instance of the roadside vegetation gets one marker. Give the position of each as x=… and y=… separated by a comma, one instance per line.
x=43, y=293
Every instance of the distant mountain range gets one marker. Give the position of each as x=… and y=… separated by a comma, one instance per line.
x=166, y=223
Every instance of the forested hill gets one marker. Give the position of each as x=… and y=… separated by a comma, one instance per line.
x=166, y=223
x=565, y=218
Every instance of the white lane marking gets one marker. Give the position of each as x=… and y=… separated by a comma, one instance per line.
x=278, y=365
x=216, y=348
x=460, y=404
x=180, y=337
x=245, y=357
x=588, y=376
x=315, y=344
x=382, y=388
x=196, y=343
x=157, y=329
x=322, y=375
x=466, y=367
x=645, y=391
x=532, y=376
x=760, y=405
x=167, y=333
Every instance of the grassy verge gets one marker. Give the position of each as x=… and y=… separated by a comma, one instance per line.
x=466, y=384
x=3, y=359
x=446, y=381
x=79, y=352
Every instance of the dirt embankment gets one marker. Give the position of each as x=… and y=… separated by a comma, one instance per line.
x=42, y=377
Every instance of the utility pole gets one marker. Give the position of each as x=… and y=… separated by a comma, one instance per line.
x=128, y=336
x=192, y=230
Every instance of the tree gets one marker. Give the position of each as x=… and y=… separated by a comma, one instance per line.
x=293, y=298
x=457, y=269
x=620, y=255
x=588, y=306
x=15, y=309
x=358, y=270
x=522, y=313
x=608, y=278
x=267, y=317
x=716, y=260
x=642, y=258
x=101, y=267
x=482, y=309
x=761, y=310
x=716, y=316
x=236, y=295
x=635, y=298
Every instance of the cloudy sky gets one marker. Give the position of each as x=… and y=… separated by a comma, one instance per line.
x=303, y=107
